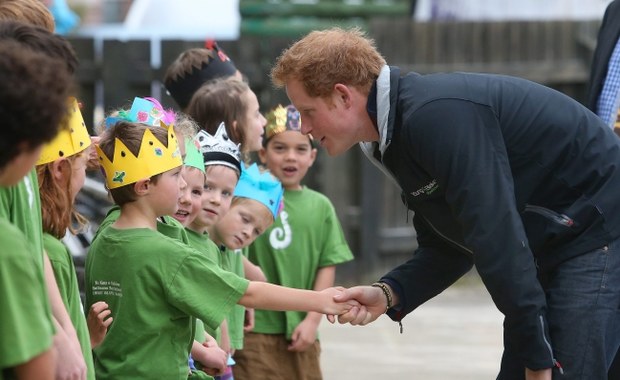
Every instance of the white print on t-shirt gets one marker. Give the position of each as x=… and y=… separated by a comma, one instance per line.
x=281, y=237
x=28, y=185
x=107, y=288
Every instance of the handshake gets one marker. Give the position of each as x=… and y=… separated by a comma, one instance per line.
x=359, y=305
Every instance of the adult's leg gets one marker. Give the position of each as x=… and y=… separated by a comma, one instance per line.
x=583, y=299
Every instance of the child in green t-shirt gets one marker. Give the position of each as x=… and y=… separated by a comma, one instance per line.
x=30, y=117
x=155, y=285
x=300, y=250
x=61, y=171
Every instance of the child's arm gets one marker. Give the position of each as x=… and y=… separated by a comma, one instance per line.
x=263, y=295
x=66, y=344
x=41, y=367
x=97, y=322
x=305, y=333
x=252, y=271
x=225, y=337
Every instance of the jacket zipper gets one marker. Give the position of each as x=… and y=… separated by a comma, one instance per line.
x=556, y=217
x=556, y=363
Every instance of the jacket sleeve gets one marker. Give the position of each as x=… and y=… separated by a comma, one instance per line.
x=432, y=269
x=465, y=151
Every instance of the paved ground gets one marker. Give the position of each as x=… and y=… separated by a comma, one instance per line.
x=457, y=335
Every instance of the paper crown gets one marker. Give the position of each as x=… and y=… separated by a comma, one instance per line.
x=143, y=110
x=217, y=65
x=219, y=149
x=153, y=158
x=193, y=157
x=262, y=187
x=72, y=138
x=282, y=119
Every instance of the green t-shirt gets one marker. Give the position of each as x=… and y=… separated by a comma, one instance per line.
x=305, y=237
x=21, y=206
x=66, y=278
x=203, y=244
x=232, y=261
x=154, y=285
x=26, y=328
x=166, y=225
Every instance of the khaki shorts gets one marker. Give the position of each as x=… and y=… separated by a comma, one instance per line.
x=266, y=357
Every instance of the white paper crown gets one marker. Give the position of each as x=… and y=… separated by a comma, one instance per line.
x=219, y=149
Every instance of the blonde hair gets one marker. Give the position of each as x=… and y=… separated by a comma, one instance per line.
x=32, y=12
x=131, y=134
x=324, y=58
x=57, y=211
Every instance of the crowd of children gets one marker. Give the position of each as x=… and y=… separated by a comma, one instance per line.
x=207, y=264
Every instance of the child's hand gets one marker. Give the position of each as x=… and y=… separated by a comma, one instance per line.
x=304, y=335
x=97, y=322
x=212, y=358
x=331, y=307
x=248, y=323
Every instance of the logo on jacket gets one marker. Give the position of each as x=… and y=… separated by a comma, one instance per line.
x=281, y=237
x=427, y=189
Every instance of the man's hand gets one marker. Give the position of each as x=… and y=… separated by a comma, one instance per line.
x=372, y=304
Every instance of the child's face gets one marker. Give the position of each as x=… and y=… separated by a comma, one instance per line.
x=190, y=200
x=254, y=124
x=288, y=156
x=19, y=166
x=217, y=195
x=243, y=223
x=165, y=193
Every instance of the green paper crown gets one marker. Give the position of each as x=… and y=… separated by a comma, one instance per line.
x=193, y=157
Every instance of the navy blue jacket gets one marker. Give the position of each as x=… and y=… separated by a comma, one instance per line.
x=502, y=173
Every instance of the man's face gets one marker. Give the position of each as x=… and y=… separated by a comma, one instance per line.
x=329, y=120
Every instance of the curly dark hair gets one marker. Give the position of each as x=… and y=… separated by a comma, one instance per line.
x=33, y=98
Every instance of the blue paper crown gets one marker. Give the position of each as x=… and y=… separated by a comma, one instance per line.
x=262, y=187
x=143, y=110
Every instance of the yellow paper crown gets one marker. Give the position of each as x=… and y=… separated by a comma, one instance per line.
x=153, y=158
x=72, y=138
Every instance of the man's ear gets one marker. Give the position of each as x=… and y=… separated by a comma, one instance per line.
x=142, y=187
x=262, y=155
x=343, y=94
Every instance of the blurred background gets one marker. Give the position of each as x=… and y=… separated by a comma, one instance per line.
x=125, y=47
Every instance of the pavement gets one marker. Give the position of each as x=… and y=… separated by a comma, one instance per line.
x=456, y=335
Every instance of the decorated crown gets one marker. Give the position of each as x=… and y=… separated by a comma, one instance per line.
x=143, y=110
x=72, y=138
x=193, y=157
x=219, y=149
x=217, y=65
x=262, y=187
x=153, y=158
x=282, y=119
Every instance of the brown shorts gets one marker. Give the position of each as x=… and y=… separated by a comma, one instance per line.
x=266, y=357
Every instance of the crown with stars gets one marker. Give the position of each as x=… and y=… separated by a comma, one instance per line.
x=219, y=149
x=72, y=138
x=282, y=119
x=262, y=187
x=153, y=158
